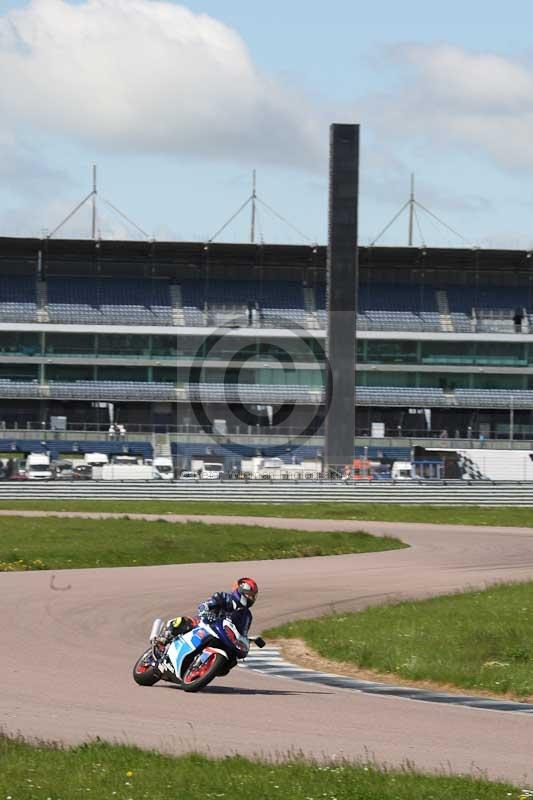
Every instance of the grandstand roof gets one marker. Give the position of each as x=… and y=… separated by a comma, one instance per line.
x=66, y=256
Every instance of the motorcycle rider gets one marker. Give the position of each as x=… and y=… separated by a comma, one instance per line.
x=236, y=603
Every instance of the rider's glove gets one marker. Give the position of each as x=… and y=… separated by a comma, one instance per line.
x=208, y=616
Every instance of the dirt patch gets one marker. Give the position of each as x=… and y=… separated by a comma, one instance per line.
x=298, y=652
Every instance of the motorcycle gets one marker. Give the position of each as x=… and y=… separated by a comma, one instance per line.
x=194, y=659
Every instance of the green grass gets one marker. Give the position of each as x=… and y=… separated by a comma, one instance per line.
x=117, y=772
x=477, y=640
x=55, y=543
x=455, y=515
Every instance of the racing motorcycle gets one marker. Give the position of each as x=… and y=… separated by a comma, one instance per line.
x=193, y=659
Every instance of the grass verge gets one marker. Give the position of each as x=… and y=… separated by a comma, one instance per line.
x=480, y=640
x=120, y=772
x=393, y=512
x=55, y=543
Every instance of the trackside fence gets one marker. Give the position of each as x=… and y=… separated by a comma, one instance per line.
x=446, y=493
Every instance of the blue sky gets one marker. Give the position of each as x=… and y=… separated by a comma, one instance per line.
x=178, y=102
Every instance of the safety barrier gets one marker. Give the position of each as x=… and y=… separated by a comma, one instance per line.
x=440, y=493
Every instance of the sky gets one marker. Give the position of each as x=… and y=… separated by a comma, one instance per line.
x=178, y=102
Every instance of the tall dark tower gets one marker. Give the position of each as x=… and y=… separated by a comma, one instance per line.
x=342, y=266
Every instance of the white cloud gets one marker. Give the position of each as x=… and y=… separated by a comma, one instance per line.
x=448, y=96
x=149, y=76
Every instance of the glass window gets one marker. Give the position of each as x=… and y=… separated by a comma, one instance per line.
x=120, y=344
x=190, y=346
x=447, y=352
x=67, y=344
x=19, y=343
x=505, y=353
x=166, y=346
x=289, y=377
x=383, y=351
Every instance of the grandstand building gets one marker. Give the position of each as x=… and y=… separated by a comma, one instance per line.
x=229, y=340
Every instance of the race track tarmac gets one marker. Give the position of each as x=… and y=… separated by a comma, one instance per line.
x=69, y=640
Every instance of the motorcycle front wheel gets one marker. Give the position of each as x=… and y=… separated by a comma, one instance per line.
x=200, y=673
x=145, y=673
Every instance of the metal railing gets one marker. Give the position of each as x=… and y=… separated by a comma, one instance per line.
x=488, y=493
x=395, y=437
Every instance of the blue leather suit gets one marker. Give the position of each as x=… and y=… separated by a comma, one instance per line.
x=222, y=604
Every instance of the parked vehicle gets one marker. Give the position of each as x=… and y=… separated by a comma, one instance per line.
x=82, y=472
x=402, y=471
x=123, y=472
x=125, y=460
x=38, y=467
x=19, y=475
x=62, y=470
x=163, y=468
x=194, y=659
x=95, y=459
x=188, y=475
x=208, y=470
x=262, y=468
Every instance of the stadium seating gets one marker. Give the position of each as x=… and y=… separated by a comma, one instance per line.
x=494, y=398
x=259, y=394
x=218, y=302
x=18, y=299
x=390, y=307
x=143, y=301
x=493, y=297
x=112, y=390
x=254, y=393
x=58, y=447
x=115, y=301
x=394, y=395
x=486, y=308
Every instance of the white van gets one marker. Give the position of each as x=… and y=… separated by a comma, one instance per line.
x=95, y=459
x=211, y=471
x=163, y=468
x=38, y=467
x=402, y=471
x=125, y=460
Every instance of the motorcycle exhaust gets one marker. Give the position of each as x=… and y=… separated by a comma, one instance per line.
x=156, y=628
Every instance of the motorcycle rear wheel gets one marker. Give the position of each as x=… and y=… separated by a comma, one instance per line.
x=195, y=678
x=145, y=674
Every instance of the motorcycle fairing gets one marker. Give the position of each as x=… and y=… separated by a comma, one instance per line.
x=179, y=649
x=186, y=644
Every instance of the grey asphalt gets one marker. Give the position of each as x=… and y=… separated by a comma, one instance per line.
x=69, y=640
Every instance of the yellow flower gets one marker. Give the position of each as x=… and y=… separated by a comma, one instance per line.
x=129, y=774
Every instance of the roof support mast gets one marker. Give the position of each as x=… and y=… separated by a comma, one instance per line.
x=94, y=193
x=411, y=210
x=413, y=205
x=92, y=196
x=253, y=199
